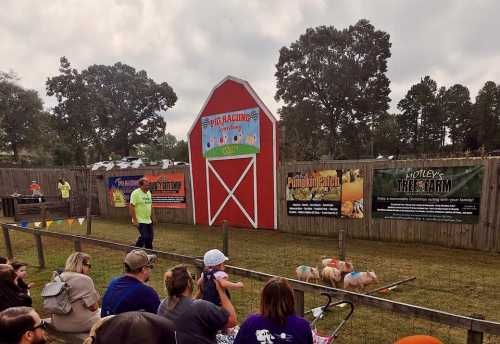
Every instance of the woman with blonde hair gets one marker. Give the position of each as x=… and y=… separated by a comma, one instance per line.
x=83, y=296
x=277, y=322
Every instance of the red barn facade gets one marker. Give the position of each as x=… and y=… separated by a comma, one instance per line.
x=233, y=158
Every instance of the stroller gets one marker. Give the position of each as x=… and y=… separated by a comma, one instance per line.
x=319, y=313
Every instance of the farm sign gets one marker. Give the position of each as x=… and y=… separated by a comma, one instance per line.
x=332, y=193
x=120, y=188
x=231, y=133
x=167, y=190
x=447, y=194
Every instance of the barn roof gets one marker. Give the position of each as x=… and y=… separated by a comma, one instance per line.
x=249, y=89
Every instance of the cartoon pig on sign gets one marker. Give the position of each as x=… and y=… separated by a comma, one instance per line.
x=306, y=273
x=359, y=280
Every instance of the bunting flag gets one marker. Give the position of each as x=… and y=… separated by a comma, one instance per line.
x=38, y=224
x=49, y=222
x=81, y=220
x=59, y=221
x=70, y=221
x=24, y=224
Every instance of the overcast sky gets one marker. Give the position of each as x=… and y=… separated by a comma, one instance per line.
x=192, y=45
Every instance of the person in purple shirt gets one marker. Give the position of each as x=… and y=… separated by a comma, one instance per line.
x=129, y=292
x=276, y=323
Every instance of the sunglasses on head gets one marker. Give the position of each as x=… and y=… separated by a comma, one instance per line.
x=43, y=325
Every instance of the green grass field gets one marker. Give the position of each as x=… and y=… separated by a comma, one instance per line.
x=231, y=149
x=456, y=281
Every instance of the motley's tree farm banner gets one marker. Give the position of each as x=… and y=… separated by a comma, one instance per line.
x=231, y=133
x=167, y=190
x=332, y=193
x=120, y=188
x=448, y=194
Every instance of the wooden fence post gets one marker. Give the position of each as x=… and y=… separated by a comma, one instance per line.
x=225, y=238
x=8, y=243
x=44, y=215
x=474, y=337
x=39, y=250
x=78, y=245
x=299, y=302
x=16, y=209
x=89, y=221
x=341, y=244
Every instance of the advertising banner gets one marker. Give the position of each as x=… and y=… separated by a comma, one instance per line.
x=352, y=194
x=446, y=194
x=332, y=193
x=231, y=133
x=167, y=190
x=120, y=188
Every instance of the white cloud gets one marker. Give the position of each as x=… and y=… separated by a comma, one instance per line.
x=193, y=44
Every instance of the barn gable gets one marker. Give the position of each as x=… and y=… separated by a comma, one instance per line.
x=233, y=171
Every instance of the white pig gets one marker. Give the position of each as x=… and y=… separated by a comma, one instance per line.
x=343, y=266
x=358, y=280
x=306, y=273
x=331, y=275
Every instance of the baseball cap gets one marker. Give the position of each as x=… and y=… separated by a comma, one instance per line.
x=136, y=259
x=136, y=328
x=214, y=257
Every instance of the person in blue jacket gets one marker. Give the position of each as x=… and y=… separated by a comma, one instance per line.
x=130, y=291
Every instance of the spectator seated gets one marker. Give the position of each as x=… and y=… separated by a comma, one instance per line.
x=64, y=336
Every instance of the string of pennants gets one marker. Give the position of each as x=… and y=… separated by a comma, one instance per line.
x=38, y=224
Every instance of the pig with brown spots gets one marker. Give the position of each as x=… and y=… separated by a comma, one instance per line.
x=331, y=275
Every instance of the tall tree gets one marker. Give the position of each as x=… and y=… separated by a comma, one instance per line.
x=108, y=108
x=457, y=107
x=74, y=118
x=422, y=119
x=486, y=117
x=162, y=148
x=302, y=137
x=386, y=135
x=20, y=112
x=342, y=73
x=181, y=151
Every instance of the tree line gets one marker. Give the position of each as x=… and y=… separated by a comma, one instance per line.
x=102, y=112
x=332, y=83
x=335, y=92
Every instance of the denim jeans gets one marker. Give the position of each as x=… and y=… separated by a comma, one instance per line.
x=145, y=235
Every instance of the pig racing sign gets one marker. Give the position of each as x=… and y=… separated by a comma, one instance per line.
x=231, y=133
x=447, y=194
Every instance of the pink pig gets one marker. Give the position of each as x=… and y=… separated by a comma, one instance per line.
x=331, y=275
x=306, y=273
x=358, y=280
x=343, y=266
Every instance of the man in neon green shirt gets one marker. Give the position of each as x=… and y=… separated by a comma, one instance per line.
x=140, y=211
x=65, y=188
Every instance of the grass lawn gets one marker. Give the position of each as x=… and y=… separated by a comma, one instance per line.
x=456, y=281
